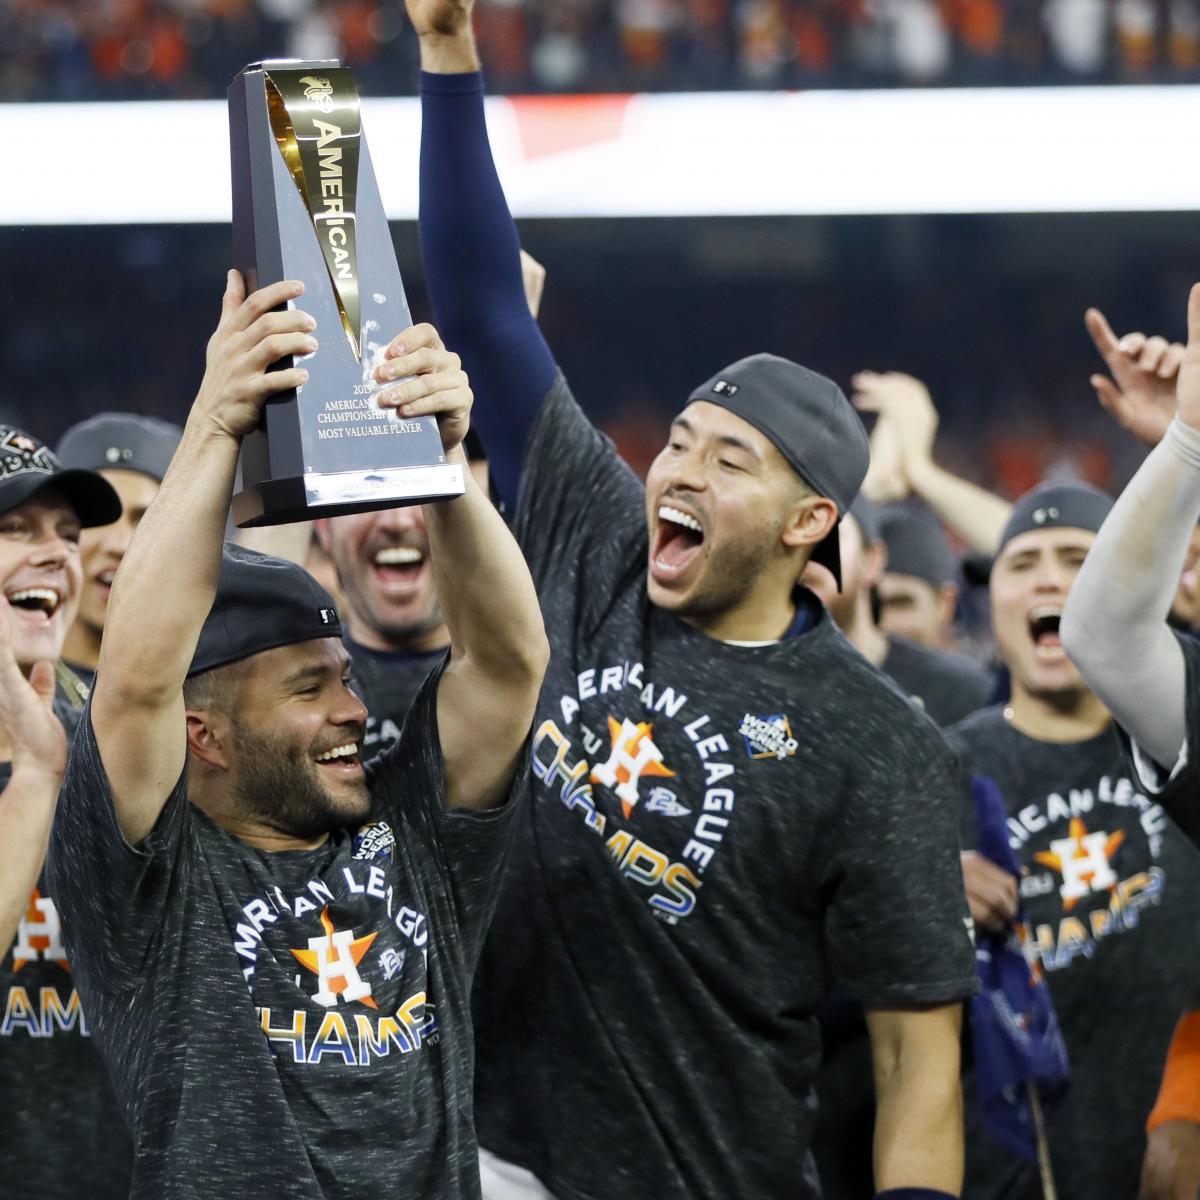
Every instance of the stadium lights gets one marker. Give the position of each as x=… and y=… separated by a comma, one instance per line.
x=719, y=154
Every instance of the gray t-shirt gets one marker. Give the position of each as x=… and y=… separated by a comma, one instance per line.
x=290, y=1024
x=715, y=833
x=1111, y=897
x=60, y=1121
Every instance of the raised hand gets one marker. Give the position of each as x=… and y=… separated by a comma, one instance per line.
x=885, y=481
x=249, y=338
x=1188, y=387
x=433, y=382
x=1141, y=393
x=36, y=735
x=441, y=18
x=904, y=402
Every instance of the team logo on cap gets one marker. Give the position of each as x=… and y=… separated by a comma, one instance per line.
x=329, y=616
x=1042, y=515
x=22, y=453
x=724, y=388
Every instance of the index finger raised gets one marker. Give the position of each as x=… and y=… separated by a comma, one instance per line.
x=1102, y=335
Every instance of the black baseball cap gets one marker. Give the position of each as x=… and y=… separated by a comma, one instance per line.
x=809, y=421
x=1057, y=506
x=121, y=441
x=27, y=466
x=917, y=547
x=262, y=603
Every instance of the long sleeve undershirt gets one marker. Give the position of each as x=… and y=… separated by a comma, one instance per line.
x=472, y=265
x=1114, y=626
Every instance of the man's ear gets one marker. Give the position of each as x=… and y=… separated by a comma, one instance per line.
x=208, y=736
x=321, y=529
x=810, y=521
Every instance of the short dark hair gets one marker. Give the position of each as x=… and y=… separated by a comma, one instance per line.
x=213, y=690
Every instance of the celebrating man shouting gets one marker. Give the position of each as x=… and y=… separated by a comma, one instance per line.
x=729, y=804
x=274, y=943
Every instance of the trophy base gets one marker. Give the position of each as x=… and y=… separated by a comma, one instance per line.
x=307, y=497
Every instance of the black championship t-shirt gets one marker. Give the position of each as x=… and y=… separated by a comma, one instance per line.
x=716, y=833
x=1112, y=906
x=294, y=1024
x=1177, y=789
x=61, y=1129
x=947, y=686
x=387, y=682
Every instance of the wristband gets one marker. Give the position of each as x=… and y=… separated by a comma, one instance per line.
x=1179, y=1094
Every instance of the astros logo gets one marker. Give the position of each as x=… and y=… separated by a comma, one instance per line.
x=1085, y=862
x=39, y=934
x=634, y=754
x=334, y=960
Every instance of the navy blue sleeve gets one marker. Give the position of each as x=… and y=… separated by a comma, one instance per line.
x=473, y=271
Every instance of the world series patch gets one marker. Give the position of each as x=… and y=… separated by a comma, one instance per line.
x=768, y=737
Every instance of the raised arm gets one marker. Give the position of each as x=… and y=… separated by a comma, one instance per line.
x=974, y=513
x=168, y=579
x=1114, y=625
x=498, y=647
x=1139, y=392
x=469, y=244
x=39, y=758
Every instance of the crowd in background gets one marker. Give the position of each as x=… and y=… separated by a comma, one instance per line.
x=132, y=49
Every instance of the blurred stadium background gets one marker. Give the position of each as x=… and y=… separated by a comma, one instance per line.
x=986, y=306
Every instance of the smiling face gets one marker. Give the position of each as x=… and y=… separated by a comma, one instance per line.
x=103, y=548
x=1029, y=585
x=289, y=736
x=40, y=573
x=382, y=563
x=730, y=523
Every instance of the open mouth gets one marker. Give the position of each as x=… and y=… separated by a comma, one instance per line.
x=41, y=603
x=399, y=566
x=677, y=541
x=1043, y=629
x=343, y=759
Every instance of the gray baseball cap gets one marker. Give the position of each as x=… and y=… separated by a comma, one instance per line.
x=917, y=547
x=809, y=421
x=121, y=441
x=1057, y=506
x=27, y=466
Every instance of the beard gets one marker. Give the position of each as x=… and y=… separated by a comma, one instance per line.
x=729, y=574
x=279, y=786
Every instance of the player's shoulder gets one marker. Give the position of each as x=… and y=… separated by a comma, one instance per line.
x=944, y=662
x=977, y=730
x=874, y=704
